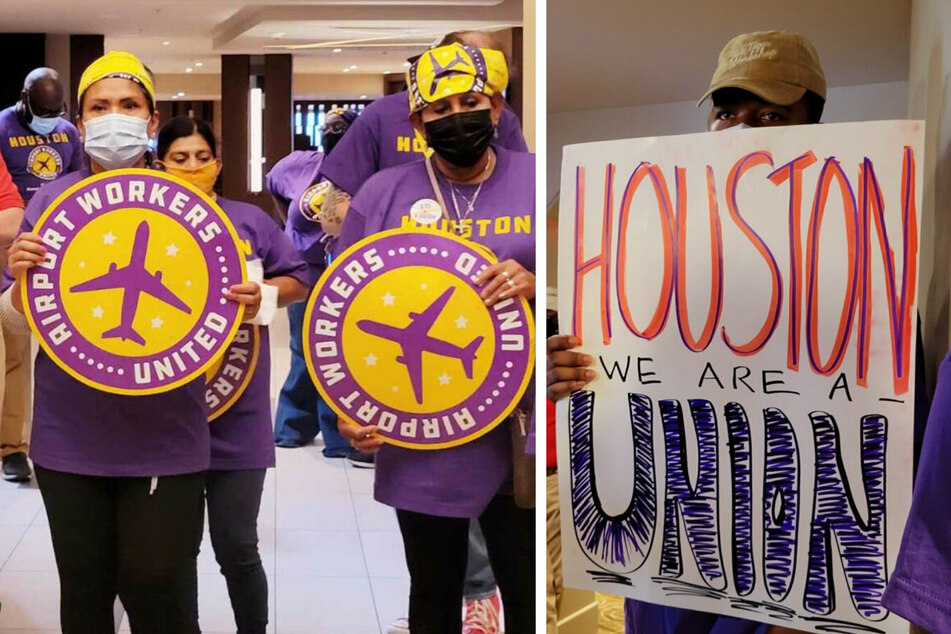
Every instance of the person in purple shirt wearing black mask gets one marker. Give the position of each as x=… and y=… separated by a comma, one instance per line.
x=383, y=137
x=437, y=494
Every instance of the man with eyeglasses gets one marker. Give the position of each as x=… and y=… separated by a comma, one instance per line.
x=38, y=145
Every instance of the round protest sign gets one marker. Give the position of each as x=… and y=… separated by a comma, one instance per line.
x=397, y=336
x=228, y=377
x=130, y=297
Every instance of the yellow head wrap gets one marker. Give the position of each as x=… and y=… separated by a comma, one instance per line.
x=117, y=64
x=453, y=70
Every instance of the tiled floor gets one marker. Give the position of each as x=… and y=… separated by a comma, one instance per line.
x=333, y=556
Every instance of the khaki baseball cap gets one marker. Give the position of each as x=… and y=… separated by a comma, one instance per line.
x=776, y=66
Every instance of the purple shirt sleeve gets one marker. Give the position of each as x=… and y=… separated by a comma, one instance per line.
x=920, y=588
x=280, y=257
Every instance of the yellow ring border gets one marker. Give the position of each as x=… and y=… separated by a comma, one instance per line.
x=256, y=330
x=312, y=301
x=221, y=216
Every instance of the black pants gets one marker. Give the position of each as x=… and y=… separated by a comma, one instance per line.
x=436, y=552
x=112, y=536
x=234, y=499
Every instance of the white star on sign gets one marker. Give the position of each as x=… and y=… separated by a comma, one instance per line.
x=98, y=312
x=188, y=283
x=108, y=238
x=171, y=250
x=396, y=389
x=444, y=379
x=157, y=322
x=370, y=359
x=424, y=286
x=462, y=322
x=82, y=265
x=388, y=299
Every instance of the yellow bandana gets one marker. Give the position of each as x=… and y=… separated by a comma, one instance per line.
x=117, y=64
x=453, y=70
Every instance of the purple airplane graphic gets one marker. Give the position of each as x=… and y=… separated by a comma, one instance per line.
x=414, y=340
x=134, y=280
x=440, y=71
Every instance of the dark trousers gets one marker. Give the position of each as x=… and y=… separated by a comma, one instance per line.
x=112, y=536
x=436, y=552
x=234, y=499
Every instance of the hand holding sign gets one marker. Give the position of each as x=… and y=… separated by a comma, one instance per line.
x=400, y=343
x=125, y=281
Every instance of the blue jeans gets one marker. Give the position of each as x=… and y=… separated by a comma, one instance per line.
x=301, y=412
x=480, y=582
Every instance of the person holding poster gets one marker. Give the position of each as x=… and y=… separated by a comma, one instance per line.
x=122, y=477
x=437, y=493
x=296, y=190
x=778, y=81
x=39, y=146
x=241, y=447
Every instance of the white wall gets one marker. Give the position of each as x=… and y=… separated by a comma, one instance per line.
x=929, y=98
x=852, y=103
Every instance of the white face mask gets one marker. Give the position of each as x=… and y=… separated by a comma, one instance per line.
x=116, y=141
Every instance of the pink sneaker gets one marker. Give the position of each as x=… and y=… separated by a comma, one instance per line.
x=482, y=616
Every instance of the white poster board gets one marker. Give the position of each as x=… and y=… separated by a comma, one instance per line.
x=749, y=299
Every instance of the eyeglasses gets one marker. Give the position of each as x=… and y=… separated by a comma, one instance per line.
x=337, y=127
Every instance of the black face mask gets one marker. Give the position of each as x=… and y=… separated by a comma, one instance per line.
x=462, y=138
x=330, y=141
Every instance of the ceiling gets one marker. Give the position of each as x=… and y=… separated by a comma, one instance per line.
x=171, y=36
x=635, y=52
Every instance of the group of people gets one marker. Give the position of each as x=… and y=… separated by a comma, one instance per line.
x=126, y=480
x=775, y=79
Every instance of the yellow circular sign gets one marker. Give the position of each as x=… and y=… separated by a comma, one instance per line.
x=130, y=298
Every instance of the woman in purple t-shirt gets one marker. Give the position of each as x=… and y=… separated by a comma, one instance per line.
x=241, y=446
x=483, y=190
x=122, y=477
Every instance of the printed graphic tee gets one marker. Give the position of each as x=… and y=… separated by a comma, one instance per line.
x=37, y=159
x=459, y=481
x=242, y=437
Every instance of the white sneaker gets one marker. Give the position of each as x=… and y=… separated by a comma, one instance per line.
x=399, y=626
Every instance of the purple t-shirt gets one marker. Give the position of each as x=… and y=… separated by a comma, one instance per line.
x=459, y=481
x=383, y=137
x=920, y=586
x=242, y=437
x=292, y=179
x=37, y=159
x=640, y=617
x=79, y=429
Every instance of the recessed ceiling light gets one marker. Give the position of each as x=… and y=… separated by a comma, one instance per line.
x=278, y=35
x=346, y=70
x=189, y=69
x=337, y=50
x=166, y=43
x=386, y=72
x=199, y=64
x=174, y=96
x=406, y=64
x=181, y=94
x=353, y=66
x=363, y=96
